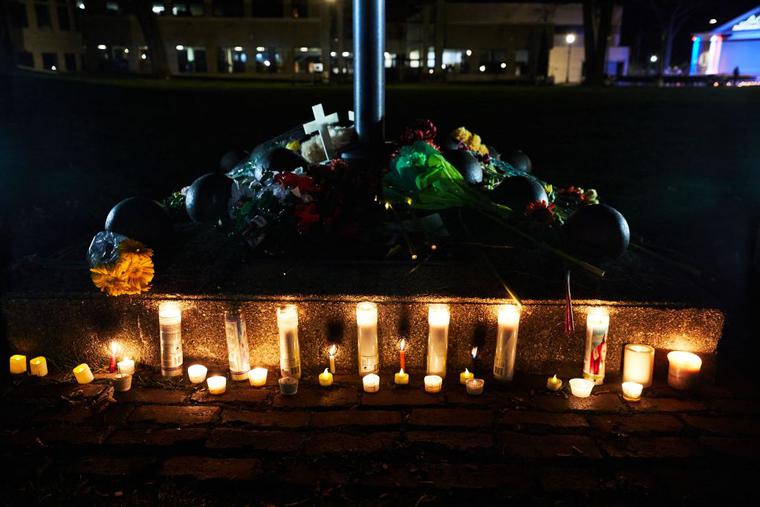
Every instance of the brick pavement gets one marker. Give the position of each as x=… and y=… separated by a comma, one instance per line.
x=170, y=442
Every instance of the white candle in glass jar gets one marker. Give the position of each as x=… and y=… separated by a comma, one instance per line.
x=433, y=383
x=506, y=342
x=581, y=387
x=290, y=352
x=170, y=327
x=366, y=331
x=126, y=366
x=197, y=373
x=371, y=383
x=683, y=369
x=438, y=339
x=217, y=384
x=638, y=364
x=258, y=377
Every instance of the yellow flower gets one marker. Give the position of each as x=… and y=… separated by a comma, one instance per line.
x=294, y=145
x=130, y=274
x=462, y=135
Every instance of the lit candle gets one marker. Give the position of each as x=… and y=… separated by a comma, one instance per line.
x=475, y=386
x=465, y=376
x=553, y=383
x=325, y=378
x=122, y=382
x=401, y=378
x=18, y=364
x=197, y=373
x=217, y=384
x=258, y=377
x=288, y=385
x=474, y=363
x=38, y=366
x=581, y=387
x=638, y=364
x=402, y=354
x=595, y=356
x=112, y=362
x=237, y=344
x=126, y=366
x=331, y=356
x=433, y=383
x=290, y=352
x=366, y=332
x=170, y=328
x=438, y=339
x=506, y=343
x=83, y=374
x=632, y=391
x=683, y=369
x=371, y=383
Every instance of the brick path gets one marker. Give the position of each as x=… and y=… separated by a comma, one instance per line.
x=176, y=444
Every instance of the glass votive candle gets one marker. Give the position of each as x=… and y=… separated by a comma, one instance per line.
x=683, y=369
x=38, y=366
x=122, y=382
x=632, y=391
x=126, y=366
x=433, y=383
x=581, y=387
x=475, y=386
x=217, y=384
x=371, y=383
x=258, y=377
x=197, y=373
x=638, y=364
x=288, y=385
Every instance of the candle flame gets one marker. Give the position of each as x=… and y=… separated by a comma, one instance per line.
x=402, y=345
x=466, y=371
x=401, y=371
x=114, y=348
x=325, y=372
x=333, y=349
x=474, y=352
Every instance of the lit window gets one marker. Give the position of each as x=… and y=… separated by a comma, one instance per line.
x=180, y=47
x=304, y=49
x=158, y=8
x=260, y=48
x=333, y=54
x=238, y=48
x=102, y=47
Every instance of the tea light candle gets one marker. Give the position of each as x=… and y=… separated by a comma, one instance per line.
x=438, y=339
x=553, y=383
x=18, y=364
x=38, y=366
x=331, y=357
x=475, y=386
x=217, y=384
x=126, y=366
x=371, y=383
x=433, y=383
x=638, y=364
x=401, y=378
x=325, y=378
x=288, y=385
x=83, y=374
x=632, y=391
x=122, y=382
x=197, y=373
x=581, y=387
x=465, y=376
x=258, y=377
x=683, y=369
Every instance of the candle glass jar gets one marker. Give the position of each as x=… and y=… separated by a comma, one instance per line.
x=595, y=355
x=506, y=343
x=290, y=352
x=366, y=332
x=438, y=339
x=170, y=329
x=237, y=344
x=638, y=364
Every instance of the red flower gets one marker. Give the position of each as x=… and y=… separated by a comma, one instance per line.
x=307, y=215
x=422, y=130
x=540, y=211
x=572, y=190
x=291, y=180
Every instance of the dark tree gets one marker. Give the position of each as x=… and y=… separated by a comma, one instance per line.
x=153, y=38
x=597, y=24
x=671, y=16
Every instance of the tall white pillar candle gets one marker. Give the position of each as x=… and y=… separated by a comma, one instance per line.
x=638, y=364
x=290, y=353
x=506, y=343
x=595, y=355
x=438, y=339
x=237, y=344
x=366, y=330
x=170, y=323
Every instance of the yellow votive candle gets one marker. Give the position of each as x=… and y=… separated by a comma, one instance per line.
x=371, y=383
x=553, y=383
x=401, y=378
x=126, y=366
x=217, y=384
x=38, y=366
x=632, y=391
x=433, y=383
x=326, y=378
x=465, y=376
x=258, y=377
x=638, y=364
x=197, y=373
x=683, y=369
x=83, y=374
x=18, y=364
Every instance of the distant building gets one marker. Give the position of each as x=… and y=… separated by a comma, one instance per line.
x=728, y=48
x=311, y=39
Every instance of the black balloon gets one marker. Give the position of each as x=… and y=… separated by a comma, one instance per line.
x=467, y=164
x=141, y=219
x=519, y=191
x=450, y=144
x=519, y=161
x=282, y=159
x=597, y=230
x=230, y=159
x=208, y=197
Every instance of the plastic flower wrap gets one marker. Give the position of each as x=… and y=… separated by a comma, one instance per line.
x=119, y=265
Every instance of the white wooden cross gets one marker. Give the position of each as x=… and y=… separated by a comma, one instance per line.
x=321, y=124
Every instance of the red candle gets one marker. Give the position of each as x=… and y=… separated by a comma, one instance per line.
x=402, y=354
x=114, y=350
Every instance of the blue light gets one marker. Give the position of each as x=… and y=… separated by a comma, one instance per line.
x=694, y=56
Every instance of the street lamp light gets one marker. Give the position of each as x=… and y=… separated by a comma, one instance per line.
x=569, y=38
x=713, y=21
x=653, y=58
